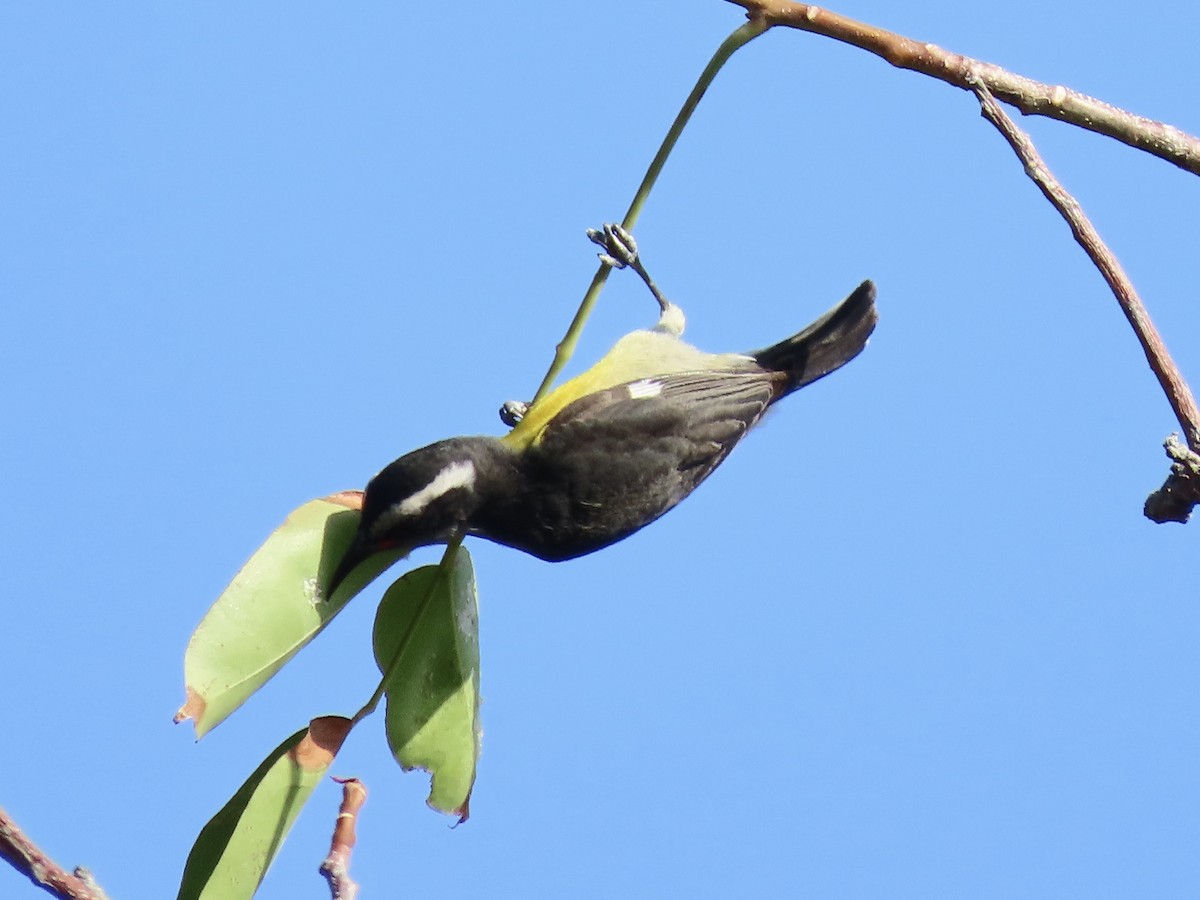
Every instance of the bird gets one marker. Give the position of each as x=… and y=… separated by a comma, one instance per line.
x=607, y=452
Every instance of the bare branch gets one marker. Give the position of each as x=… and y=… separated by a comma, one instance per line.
x=1168, y=374
x=336, y=867
x=1174, y=501
x=27, y=858
x=1178, y=393
x=1029, y=96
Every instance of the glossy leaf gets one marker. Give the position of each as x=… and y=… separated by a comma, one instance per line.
x=234, y=850
x=272, y=608
x=429, y=619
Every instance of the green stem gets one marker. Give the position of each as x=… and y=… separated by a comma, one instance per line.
x=442, y=570
x=731, y=44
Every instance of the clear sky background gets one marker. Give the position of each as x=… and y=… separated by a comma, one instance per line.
x=914, y=639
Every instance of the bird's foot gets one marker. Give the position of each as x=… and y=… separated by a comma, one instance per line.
x=512, y=412
x=620, y=249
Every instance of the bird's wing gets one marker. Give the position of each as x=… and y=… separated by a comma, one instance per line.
x=687, y=422
x=617, y=459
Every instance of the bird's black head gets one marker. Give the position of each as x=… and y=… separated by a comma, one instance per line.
x=422, y=498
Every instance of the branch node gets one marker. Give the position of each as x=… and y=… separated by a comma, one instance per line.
x=336, y=866
x=31, y=861
x=1175, y=500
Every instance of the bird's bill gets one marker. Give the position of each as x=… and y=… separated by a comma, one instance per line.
x=357, y=553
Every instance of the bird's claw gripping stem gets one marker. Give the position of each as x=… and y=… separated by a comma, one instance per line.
x=512, y=412
x=619, y=246
x=620, y=251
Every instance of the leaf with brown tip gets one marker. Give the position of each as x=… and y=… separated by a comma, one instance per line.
x=234, y=850
x=273, y=607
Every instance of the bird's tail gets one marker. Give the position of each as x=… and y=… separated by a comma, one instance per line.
x=825, y=345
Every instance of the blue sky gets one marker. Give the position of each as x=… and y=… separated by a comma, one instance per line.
x=914, y=639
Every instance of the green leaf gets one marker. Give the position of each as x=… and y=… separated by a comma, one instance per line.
x=272, y=608
x=234, y=850
x=427, y=644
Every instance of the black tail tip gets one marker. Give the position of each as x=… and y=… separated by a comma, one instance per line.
x=859, y=305
x=866, y=291
x=827, y=344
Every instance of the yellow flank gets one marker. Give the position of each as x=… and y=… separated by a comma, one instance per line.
x=638, y=355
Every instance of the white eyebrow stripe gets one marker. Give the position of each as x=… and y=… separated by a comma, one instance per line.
x=644, y=389
x=456, y=475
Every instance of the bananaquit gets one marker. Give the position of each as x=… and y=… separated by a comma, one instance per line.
x=607, y=452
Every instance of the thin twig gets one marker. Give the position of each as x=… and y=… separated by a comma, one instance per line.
x=1029, y=96
x=31, y=861
x=1174, y=385
x=1177, y=497
x=566, y=347
x=336, y=867
x=1168, y=374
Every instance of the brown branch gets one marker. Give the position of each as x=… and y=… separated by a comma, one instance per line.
x=1029, y=96
x=336, y=867
x=27, y=858
x=1164, y=368
x=1174, y=501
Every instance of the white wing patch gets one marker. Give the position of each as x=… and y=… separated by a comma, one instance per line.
x=644, y=389
x=456, y=475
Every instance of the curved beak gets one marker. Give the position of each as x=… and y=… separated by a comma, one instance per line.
x=357, y=552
